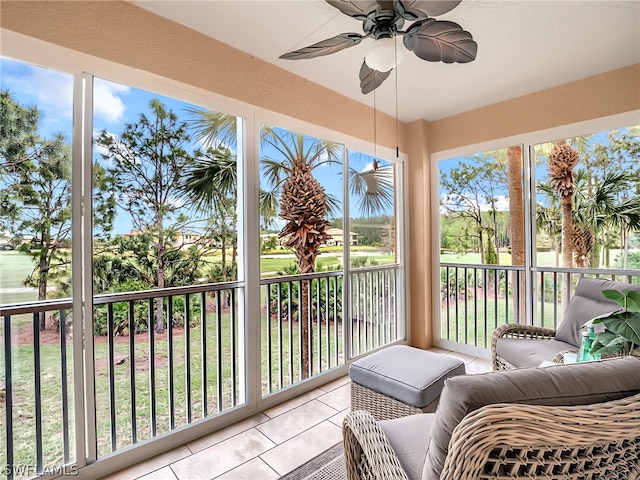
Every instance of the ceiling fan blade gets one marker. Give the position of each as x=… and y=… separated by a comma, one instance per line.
x=355, y=8
x=423, y=9
x=371, y=79
x=325, y=47
x=436, y=40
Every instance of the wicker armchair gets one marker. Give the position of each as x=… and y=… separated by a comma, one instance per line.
x=562, y=422
x=518, y=346
x=515, y=441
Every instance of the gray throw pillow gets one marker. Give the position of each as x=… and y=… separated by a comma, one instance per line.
x=566, y=385
x=586, y=304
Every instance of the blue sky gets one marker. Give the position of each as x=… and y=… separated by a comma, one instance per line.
x=114, y=106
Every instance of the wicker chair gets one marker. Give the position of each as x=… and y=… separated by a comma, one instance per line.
x=514, y=440
x=518, y=346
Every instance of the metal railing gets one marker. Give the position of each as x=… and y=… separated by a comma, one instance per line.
x=372, y=323
x=148, y=383
x=35, y=371
x=476, y=299
x=158, y=379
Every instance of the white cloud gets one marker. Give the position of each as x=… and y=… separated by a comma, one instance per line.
x=50, y=91
x=107, y=104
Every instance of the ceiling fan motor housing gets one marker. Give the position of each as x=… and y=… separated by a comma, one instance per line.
x=383, y=24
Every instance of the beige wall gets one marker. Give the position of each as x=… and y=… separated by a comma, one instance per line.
x=603, y=95
x=121, y=32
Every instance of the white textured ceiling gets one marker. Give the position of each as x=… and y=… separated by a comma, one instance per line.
x=523, y=46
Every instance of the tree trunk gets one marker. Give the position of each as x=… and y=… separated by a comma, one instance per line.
x=223, y=262
x=567, y=232
x=43, y=272
x=516, y=225
x=481, y=244
x=496, y=237
x=306, y=332
x=625, y=249
x=161, y=282
x=567, y=242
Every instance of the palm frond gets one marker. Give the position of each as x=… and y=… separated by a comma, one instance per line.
x=374, y=189
x=213, y=128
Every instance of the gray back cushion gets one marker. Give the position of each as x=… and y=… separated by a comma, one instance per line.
x=587, y=303
x=572, y=384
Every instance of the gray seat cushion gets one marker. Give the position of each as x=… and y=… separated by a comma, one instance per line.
x=409, y=436
x=529, y=352
x=410, y=375
x=587, y=303
x=572, y=384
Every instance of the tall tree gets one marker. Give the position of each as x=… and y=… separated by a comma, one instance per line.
x=516, y=221
x=148, y=160
x=599, y=209
x=292, y=158
x=562, y=161
x=210, y=185
x=35, y=203
x=467, y=188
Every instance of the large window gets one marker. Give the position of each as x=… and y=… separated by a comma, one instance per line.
x=36, y=354
x=588, y=201
x=482, y=250
x=165, y=218
x=215, y=262
x=583, y=219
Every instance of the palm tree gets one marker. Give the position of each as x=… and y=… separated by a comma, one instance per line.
x=549, y=218
x=598, y=209
x=210, y=186
x=516, y=220
x=562, y=160
x=303, y=203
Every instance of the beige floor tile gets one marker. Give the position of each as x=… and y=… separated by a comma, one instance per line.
x=296, y=421
x=222, y=457
x=467, y=359
x=340, y=398
x=335, y=384
x=439, y=350
x=163, y=474
x=479, y=365
x=225, y=433
x=151, y=465
x=293, y=403
x=338, y=418
x=254, y=469
x=303, y=447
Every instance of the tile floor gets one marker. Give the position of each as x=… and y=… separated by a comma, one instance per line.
x=269, y=444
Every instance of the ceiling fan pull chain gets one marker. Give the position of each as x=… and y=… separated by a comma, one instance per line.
x=375, y=130
x=396, y=75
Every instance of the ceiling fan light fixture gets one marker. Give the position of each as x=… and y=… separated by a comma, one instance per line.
x=384, y=55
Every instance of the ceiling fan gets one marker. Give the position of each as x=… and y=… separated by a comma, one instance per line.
x=430, y=39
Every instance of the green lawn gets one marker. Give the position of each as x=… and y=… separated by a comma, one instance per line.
x=14, y=268
x=220, y=394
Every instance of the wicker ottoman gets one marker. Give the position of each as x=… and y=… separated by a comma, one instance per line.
x=400, y=380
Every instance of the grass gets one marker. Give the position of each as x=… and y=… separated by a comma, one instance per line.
x=188, y=399
x=14, y=268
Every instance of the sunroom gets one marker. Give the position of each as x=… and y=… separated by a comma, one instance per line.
x=186, y=315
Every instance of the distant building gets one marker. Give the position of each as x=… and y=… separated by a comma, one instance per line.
x=336, y=237
x=182, y=239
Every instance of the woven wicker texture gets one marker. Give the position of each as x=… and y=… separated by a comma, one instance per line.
x=383, y=407
x=368, y=454
x=511, y=441
x=512, y=330
x=507, y=441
